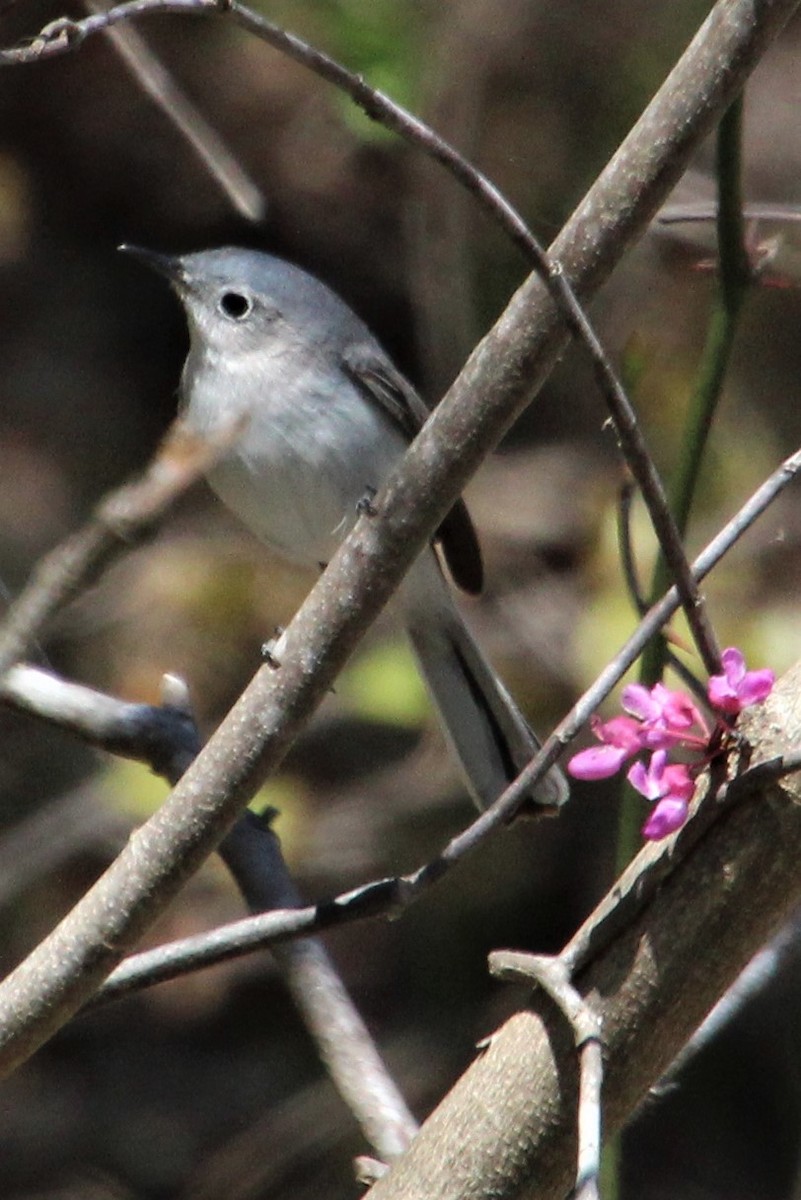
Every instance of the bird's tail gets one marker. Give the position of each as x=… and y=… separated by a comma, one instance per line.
x=489, y=735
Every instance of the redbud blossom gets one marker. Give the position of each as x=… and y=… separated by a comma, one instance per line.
x=667, y=716
x=671, y=785
x=621, y=738
x=668, y=815
x=660, y=719
x=736, y=688
x=660, y=778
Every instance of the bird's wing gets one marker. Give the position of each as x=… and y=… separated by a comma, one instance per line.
x=382, y=383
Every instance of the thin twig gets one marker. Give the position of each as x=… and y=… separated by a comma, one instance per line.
x=381, y=107
x=654, y=620
x=380, y=898
x=167, y=739
x=66, y=34
x=733, y=279
x=633, y=586
x=626, y=548
x=551, y=974
x=158, y=83
x=388, y=897
x=163, y=736
x=706, y=212
x=253, y=854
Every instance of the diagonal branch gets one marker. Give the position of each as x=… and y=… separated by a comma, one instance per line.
x=252, y=852
x=507, y=1129
x=31, y=690
x=381, y=107
x=388, y=896
x=64, y=35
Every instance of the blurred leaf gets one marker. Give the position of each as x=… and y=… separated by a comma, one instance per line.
x=385, y=685
x=136, y=790
x=133, y=788
x=381, y=40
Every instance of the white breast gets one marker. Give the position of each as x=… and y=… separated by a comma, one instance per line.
x=307, y=456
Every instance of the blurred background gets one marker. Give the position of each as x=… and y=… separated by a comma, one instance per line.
x=211, y=1086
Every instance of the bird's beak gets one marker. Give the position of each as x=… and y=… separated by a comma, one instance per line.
x=171, y=268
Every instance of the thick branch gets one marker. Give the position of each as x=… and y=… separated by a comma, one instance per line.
x=511, y=1117
x=497, y=382
x=558, y=287
x=166, y=738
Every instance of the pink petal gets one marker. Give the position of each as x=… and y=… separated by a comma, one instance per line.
x=667, y=816
x=678, y=782
x=638, y=701
x=722, y=696
x=624, y=732
x=756, y=686
x=666, y=715
x=733, y=665
x=648, y=780
x=679, y=711
x=597, y=762
x=638, y=778
x=737, y=688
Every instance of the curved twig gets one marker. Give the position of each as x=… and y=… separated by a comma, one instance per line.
x=67, y=34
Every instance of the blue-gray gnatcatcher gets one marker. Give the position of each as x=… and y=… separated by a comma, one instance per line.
x=326, y=417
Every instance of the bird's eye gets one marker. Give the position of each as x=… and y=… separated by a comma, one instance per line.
x=235, y=305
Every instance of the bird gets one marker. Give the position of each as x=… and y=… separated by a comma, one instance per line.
x=326, y=416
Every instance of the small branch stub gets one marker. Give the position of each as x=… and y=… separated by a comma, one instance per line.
x=553, y=976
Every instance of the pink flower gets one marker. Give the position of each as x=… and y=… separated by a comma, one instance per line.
x=621, y=737
x=668, y=815
x=659, y=719
x=736, y=688
x=660, y=778
x=671, y=786
x=667, y=716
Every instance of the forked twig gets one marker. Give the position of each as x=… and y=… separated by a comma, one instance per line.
x=551, y=974
x=166, y=737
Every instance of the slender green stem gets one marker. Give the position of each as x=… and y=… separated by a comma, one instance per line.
x=734, y=276
x=610, y=1168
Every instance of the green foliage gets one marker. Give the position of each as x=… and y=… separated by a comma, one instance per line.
x=382, y=41
x=385, y=685
x=132, y=788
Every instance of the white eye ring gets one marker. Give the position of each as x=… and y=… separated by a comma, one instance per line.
x=235, y=305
